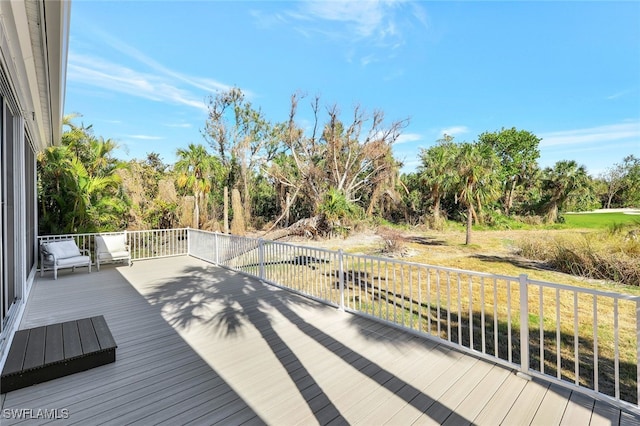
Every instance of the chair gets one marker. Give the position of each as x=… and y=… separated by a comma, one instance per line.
x=112, y=248
x=60, y=254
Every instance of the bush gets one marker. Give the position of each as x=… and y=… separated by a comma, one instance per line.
x=437, y=224
x=393, y=241
x=339, y=212
x=530, y=220
x=598, y=255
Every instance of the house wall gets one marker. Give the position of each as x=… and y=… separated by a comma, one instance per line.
x=33, y=55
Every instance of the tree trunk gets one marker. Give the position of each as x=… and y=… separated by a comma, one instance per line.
x=196, y=211
x=247, y=199
x=609, y=198
x=372, y=202
x=287, y=211
x=309, y=227
x=469, y=224
x=552, y=213
x=508, y=202
x=436, y=207
x=237, y=223
x=225, y=213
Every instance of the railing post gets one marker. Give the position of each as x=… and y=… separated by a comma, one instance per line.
x=638, y=349
x=126, y=241
x=215, y=248
x=341, y=278
x=188, y=241
x=261, y=258
x=524, y=326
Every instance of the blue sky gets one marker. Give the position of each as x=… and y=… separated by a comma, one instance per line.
x=569, y=72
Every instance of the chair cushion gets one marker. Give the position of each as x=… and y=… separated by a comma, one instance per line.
x=62, y=249
x=111, y=243
x=114, y=255
x=74, y=261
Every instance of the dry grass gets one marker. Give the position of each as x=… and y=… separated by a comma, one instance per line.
x=599, y=255
x=496, y=252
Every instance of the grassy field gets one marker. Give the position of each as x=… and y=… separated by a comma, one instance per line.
x=599, y=220
x=462, y=308
x=500, y=252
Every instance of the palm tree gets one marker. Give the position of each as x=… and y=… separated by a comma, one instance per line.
x=194, y=167
x=560, y=182
x=94, y=203
x=73, y=199
x=477, y=182
x=436, y=170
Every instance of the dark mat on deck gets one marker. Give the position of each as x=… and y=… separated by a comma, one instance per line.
x=56, y=350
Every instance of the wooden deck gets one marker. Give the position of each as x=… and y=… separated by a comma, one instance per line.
x=201, y=345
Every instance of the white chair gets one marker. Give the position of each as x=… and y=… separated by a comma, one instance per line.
x=112, y=248
x=60, y=254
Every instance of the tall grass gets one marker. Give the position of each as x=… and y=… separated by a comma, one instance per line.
x=607, y=255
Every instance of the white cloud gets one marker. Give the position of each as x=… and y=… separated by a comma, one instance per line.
x=156, y=82
x=453, y=130
x=621, y=94
x=591, y=135
x=408, y=137
x=368, y=18
x=145, y=137
x=355, y=20
x=108, y=76
x=205, y=84
x=376, y=28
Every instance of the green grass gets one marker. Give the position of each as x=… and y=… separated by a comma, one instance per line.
x=599, y=220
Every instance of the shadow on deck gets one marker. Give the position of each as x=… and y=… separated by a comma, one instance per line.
x=203, y=345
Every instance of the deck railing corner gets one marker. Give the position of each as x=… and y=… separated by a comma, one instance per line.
x=524, y=323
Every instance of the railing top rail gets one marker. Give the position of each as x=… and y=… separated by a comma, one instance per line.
x=41, y=237
x=88, y=234
x=428, y=266
x=620, y=296
x=157, y=230
x=373, y=258
x=595, y=292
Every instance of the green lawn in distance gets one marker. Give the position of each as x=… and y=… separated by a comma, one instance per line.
x=599, y=220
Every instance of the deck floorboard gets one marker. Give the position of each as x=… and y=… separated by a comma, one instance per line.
x=202, y=345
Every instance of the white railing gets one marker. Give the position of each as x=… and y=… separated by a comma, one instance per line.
x=578, y=337
x=142, y=244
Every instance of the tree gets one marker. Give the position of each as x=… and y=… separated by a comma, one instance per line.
x=353, y=158
x=414, y=202
x=630, y=196
x=477, y=182
x=78, y=188
x=565, y=178
x=242, y=138
x=614, y=182
x=518, y=152
x=195, y=167
x=151, y=207
x=435, y=170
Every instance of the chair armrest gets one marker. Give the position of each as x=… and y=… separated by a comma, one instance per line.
x=53, y=255
x=86, y=252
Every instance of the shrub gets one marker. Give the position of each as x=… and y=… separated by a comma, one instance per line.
x=598, y=255
x=393, y=242
x=339, y=212
x=530, y=220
